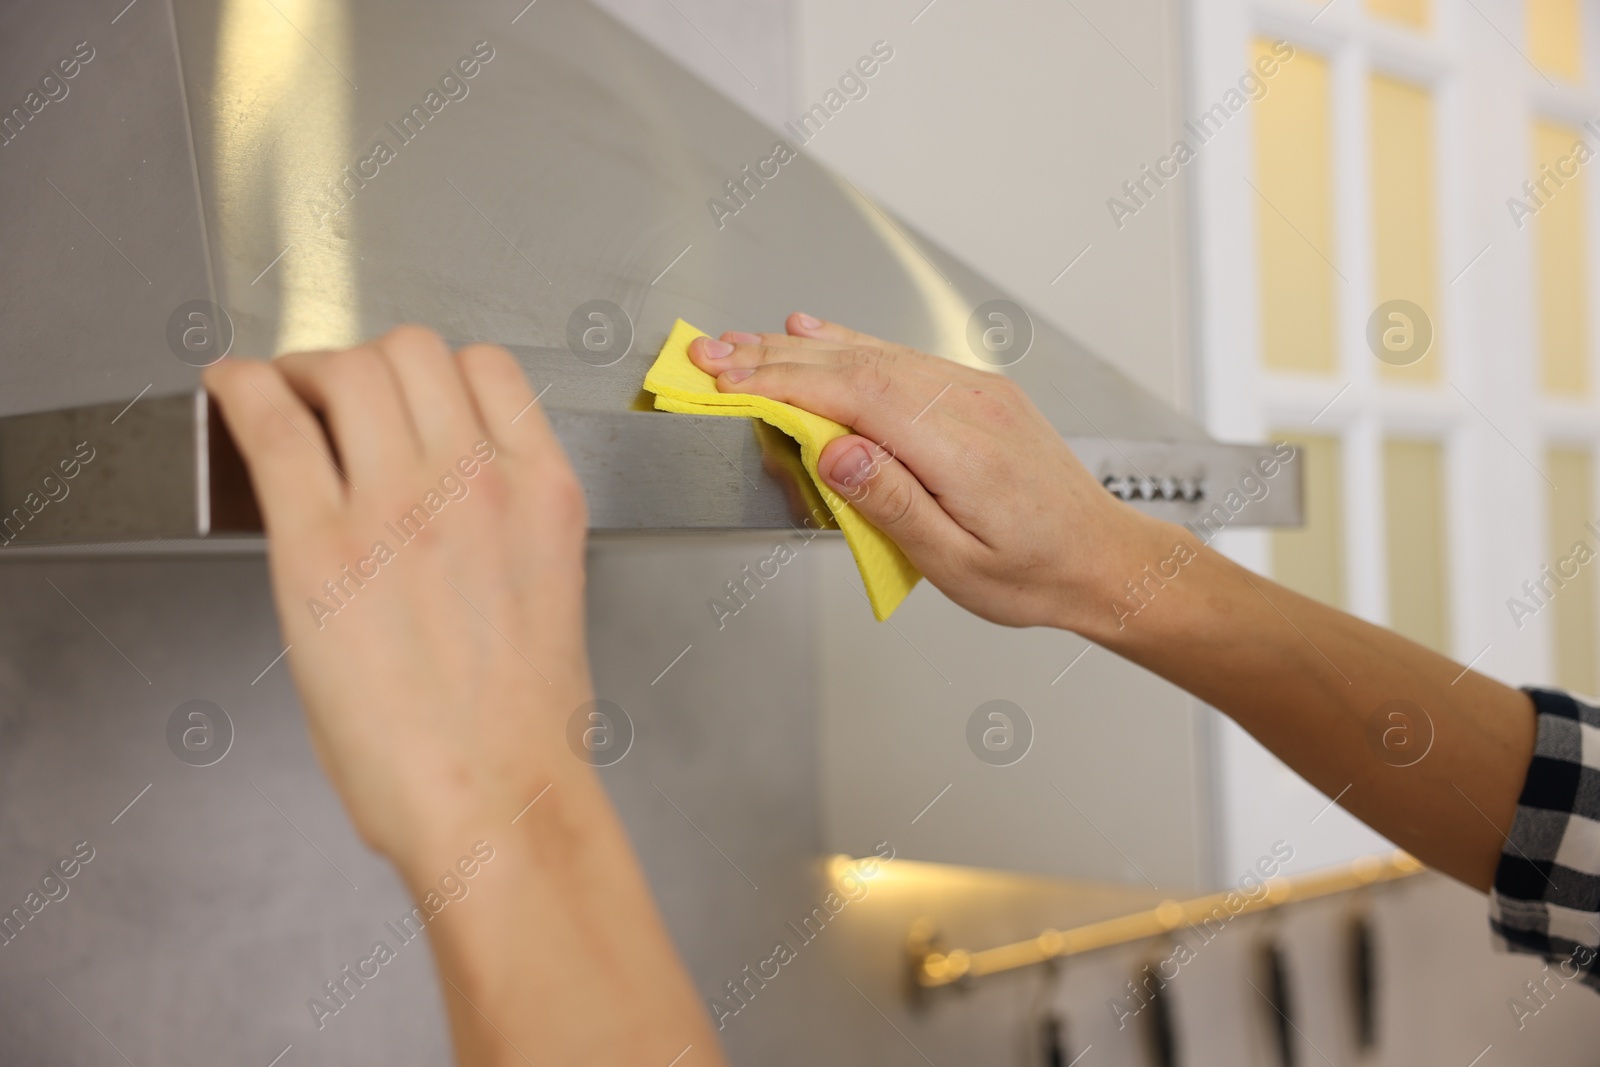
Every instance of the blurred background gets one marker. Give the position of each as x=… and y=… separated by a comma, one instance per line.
x=1229, y=201
x=1388, y=159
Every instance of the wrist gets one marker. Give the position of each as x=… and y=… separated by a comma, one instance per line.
x=503, y=819
x=1134, y=559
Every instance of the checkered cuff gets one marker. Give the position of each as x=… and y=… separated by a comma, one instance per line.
x=1546, y=896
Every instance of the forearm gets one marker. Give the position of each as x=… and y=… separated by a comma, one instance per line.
x=558, y=954
x=1309, y=681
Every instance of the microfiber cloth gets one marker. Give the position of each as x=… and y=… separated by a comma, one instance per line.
x=680, y=386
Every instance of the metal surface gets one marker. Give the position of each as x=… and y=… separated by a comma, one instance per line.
x=224, y=152
x=163, y=469
x=221, y=898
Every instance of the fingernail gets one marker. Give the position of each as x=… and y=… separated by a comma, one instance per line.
x=808, y=322
x=850, y=469
x=737, y=375
x=741, y=338
x=711, y=349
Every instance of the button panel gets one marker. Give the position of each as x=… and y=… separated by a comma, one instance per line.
x=1134, y=487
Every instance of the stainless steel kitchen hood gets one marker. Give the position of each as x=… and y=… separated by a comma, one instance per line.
x=263, y=176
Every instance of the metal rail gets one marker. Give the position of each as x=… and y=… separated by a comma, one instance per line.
x=932, y=968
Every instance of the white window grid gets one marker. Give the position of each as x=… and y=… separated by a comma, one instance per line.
x=1486, y=409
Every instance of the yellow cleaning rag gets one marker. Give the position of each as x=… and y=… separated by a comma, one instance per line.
x=680, y=386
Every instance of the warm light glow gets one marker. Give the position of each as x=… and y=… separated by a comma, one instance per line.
x=281, y=134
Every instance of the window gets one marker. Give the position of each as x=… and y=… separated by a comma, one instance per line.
x=1414, y=541
x=1555, y=37
x=1412, y=13
x=1310, y=558
x=1571, y=512
x=1561, y=275
x=1404, y=236
x=1294, y=216
x=1449, y=485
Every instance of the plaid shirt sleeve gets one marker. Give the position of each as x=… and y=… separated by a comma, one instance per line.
x=1546, y=896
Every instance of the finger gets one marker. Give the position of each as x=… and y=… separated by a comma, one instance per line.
x=291, y=464
x=714, y=356
x=735, y=352
x=507, y=406
x=899, y=408
x=356, y=393
x=779, y=340
x=891, y=498
x=814, y=331
x=809, y=326
x=433, y=388
x=516, y=422
x=876, y=397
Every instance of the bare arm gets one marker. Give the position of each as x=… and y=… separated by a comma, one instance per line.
x=985, y=497
x=426, y=539
x=1337, y=699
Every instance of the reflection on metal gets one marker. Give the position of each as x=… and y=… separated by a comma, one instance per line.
x=947, y=313
x=281, y=155
x=933, y=967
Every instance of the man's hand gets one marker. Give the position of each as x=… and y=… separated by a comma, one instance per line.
x=955, y=464
x=426, y=541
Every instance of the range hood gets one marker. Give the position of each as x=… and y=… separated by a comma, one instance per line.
x=210, y=174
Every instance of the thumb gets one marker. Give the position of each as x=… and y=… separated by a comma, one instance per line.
x=887, y=495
